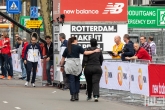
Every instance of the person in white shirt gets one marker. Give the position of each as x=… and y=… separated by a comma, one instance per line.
x=152, y=45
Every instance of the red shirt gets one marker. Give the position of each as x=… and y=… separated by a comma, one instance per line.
x=6, y=49
x=143, y=54
x=24, y=48
x=0, y=45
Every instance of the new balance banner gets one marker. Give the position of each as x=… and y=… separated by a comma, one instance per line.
x=104, y=34
x=139, y=83
x=157, y=80
x=94, y=10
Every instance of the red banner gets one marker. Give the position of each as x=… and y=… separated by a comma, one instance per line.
x=156, y=80
x=94, y=10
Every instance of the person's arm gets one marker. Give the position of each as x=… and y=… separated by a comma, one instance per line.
x=40, y=51
x=131, y=58
x=26, y=50
x=82, y=51
x=23, y=50
x=62, y=62
x=64, y=55
x=130, y=50
x=101, y=58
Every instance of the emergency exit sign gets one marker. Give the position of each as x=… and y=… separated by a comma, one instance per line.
x=146, y=17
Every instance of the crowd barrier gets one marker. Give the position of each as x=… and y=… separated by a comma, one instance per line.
x=134, y=82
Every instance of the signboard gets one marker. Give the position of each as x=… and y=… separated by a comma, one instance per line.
x=33, y=12
x=56, y=9
x=13, y=6
x=94, y=10
x=103, y=33
x=146, y=17
x=24, y=19
x=33, y=23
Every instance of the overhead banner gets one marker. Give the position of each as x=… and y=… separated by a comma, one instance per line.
x=104, y=34
x=146, y=17
x=94, y=10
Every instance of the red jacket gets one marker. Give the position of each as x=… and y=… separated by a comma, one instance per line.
x=24, y=48
x=0, y=45
x=6, y=49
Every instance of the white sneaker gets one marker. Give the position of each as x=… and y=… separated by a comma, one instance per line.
x=33, y=85
x=27, y=83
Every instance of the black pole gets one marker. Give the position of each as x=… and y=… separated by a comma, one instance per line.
x=13, y=32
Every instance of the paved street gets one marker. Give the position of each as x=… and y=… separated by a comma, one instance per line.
x=13, y=96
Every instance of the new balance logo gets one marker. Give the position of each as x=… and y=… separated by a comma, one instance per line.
x=117, y=8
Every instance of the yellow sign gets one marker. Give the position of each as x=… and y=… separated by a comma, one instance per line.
x=33, y=23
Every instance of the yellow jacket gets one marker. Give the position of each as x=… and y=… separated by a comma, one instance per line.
x=117, y=48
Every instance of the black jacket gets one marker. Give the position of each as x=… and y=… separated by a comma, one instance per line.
x=49, y=52
x=128, y=50
x=93, y=59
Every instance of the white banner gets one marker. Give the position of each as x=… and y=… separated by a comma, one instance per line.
x=17, y=65
x=139, y=79
x=115, y=76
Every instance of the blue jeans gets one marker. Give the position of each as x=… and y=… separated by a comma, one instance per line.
x=5, y=65
x=11, y=66
x=23, y=68
x=74, y=82
x=48, y=66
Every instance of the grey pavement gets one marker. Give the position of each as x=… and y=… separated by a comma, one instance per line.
x=14, y=95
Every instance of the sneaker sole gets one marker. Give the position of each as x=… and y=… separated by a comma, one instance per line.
x=96, y=100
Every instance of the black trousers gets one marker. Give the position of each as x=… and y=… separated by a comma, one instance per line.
x=93, y=75
x=31, y=65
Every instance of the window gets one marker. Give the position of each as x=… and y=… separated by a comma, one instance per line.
x=2, y=2
x=137, y=2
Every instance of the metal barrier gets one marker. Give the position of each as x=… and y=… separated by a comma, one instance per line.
x=127, y=96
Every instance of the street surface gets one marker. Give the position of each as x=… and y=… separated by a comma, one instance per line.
x=15, y=96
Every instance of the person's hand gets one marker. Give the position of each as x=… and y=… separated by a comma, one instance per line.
x=25, y=61
x=42, y=60
x=48, y=59
x=127, y=58
x=115, y=54
x=97, y=50
x=62, y=69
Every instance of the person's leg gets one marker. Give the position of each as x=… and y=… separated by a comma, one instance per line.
x=96, y=80
x=23, y=69
x=77, y=86
x=72, y=88
x=29, y=68
x=34, y=64
x=6, y=62
x=66, y=81
x=2, y=68
x=88, y=77
x=48, y=66
x=1, y=62
x=11, y=66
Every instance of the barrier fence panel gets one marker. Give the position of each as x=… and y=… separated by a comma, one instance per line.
x=138, y=82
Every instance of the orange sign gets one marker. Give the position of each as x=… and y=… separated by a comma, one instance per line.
x=106, y=75
x=140, y=79
x=120, y=75
x=5, y=25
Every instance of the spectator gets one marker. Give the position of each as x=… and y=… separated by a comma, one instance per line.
x=141, y=53
x=49, y=57
x=16, y=44
x=63, y=40
x=0, y=51
x=117, y=47
x=128, y=50
x=5, y=58
x=92, y=70
x=73, y=67
x=152, y=45
x=145, y=45
x=21, y=45
x=31, y=58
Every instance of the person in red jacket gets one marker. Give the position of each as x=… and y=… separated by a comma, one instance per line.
x=5, y=59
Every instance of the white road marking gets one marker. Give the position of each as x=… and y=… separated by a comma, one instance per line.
x=5, y=102
x=17, y=108
x=54, y=92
